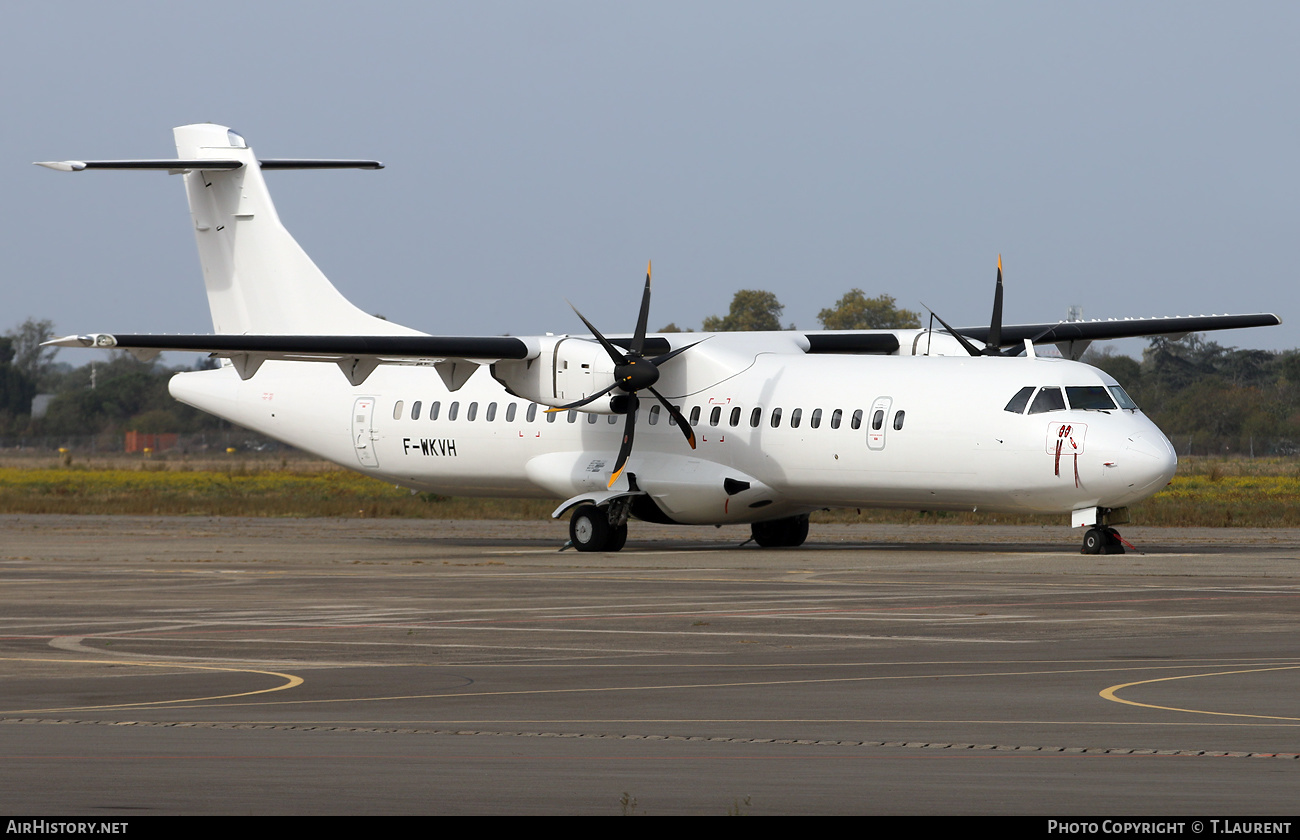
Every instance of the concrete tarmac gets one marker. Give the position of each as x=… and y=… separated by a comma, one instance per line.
x=254, y=666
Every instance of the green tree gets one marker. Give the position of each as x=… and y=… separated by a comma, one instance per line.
x=16, y=389
x=29, y=357
x=750, y=310
x=856, y=311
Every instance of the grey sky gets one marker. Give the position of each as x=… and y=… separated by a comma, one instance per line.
x=1138, y=159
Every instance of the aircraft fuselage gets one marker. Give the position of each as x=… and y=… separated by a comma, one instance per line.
x=924, y=433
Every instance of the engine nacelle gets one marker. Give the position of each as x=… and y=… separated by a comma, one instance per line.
x=567, y=370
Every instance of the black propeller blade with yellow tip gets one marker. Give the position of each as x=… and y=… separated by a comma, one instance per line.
x=992, y=344
x=633, y=372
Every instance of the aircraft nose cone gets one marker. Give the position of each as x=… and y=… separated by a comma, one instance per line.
x=1154, y=460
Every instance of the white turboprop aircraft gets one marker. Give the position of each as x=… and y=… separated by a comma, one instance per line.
x=759, y=428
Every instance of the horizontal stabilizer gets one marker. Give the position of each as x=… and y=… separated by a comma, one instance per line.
x=206, y=165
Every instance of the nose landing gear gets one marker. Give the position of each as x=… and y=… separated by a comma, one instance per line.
x=1102, y=540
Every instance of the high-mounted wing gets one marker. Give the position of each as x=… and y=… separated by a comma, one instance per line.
x=1072, y=338
x=454, y=357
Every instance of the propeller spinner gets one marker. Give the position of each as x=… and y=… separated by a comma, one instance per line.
x=633, y=372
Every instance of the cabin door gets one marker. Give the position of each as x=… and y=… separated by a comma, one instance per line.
x=877, y=421
x=363, y=431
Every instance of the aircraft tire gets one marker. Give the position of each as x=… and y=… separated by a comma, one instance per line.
x=617, y=538
x=589, y=529
x=1093, y=541
x=781, y=533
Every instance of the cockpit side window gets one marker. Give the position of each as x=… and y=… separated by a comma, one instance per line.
x=1020, y=400
x=1048, y=399
x=1124, y=400
x=1090, y=397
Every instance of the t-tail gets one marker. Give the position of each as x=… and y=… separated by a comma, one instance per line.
x=259, y=280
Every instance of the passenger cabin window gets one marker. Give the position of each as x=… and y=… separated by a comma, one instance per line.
x=695, y=416
x=836, y=416
x=550, y=416
x=1091, y=397
x=591, y=419
x=472, y=412
x=1020, y=400
x=856, y=422
x=415, y=410
x=715, y=415
x=1048, y=399
x=755, y=417
x=816, y=420
x=898, y=420
x=491, y=412
x=776, y=418
x=453, y=410
x=878, y=419
x=510, y=413
x=795, y=417
x=433, y=410
x=531, y=415
x=654, y=414
x=573, y=416
x=397, y=410
x=735, y=416
x=611, y=419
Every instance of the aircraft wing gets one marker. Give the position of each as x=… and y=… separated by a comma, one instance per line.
x=455, y=357
x=1097, y=330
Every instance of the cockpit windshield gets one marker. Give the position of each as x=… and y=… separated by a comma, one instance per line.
x=1090, y=397
x=1124, y=400
x=1079, y=397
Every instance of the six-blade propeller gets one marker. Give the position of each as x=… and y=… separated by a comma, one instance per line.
x=633, y=372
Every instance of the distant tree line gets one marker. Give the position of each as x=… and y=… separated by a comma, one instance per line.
x=1211, y=399
x=95, y=399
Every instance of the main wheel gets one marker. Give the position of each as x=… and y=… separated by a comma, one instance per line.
x=589, y=530
x=781, y=533
x=617, y=538
x=1093, y=541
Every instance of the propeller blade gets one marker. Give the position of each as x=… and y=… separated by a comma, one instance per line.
x=965, y=342
x=583, y=401
x=629, y=432
x=677, y=415
x=659, y=360
x=995, y=324
x=638, y=338
x=614, y=353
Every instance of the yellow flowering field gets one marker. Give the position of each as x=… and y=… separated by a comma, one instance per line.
x=1206, y=493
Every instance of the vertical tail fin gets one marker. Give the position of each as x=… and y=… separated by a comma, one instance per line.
x=259, y=280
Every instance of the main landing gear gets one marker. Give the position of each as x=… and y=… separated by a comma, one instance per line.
x=781, y=533
x=598, y=529
x=1102, y=540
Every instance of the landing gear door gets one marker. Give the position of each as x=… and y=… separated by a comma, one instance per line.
x=877, y=421
x=363, y=431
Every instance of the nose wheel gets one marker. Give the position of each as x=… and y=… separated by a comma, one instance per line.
x=1102, y=541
